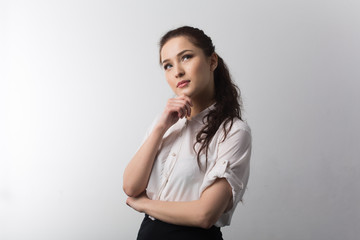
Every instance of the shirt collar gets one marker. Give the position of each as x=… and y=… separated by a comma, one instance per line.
x=199, y=117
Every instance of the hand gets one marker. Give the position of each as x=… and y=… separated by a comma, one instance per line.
x=175, y=109
x=138, y=203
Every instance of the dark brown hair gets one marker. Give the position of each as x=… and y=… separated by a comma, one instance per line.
x=227, y=94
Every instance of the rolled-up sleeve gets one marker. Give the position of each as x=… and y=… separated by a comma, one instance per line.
x=232, y=163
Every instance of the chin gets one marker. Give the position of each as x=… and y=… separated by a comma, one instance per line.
x=185, y=92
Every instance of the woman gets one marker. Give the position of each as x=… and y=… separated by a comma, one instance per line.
x=192, y=169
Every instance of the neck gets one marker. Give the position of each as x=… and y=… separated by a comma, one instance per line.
x=199, y=105
x=203, y=100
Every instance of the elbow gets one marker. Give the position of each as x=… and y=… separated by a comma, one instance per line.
x=206, y=220
x=206, y=225
x=130, y=191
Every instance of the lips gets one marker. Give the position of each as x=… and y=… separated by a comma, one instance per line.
x=182, y=84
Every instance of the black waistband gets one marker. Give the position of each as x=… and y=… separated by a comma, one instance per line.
x=157, y=229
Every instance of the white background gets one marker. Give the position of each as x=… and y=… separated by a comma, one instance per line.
x=80, y=83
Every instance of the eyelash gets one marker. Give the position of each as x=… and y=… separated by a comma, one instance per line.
x=183, y=58
x=166, y=66
x=188, y=56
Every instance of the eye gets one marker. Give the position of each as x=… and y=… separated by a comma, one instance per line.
x=186, y=57
x=167, y=66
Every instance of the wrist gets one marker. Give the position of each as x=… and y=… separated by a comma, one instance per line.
x=146, y=205
x=160, y=129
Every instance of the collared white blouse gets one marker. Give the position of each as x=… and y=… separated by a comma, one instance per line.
x=176, y=174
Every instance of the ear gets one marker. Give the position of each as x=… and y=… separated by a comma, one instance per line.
x=213, y=61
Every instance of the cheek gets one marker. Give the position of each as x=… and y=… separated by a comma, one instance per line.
x=170, y=82
x=199, y=69
x=167, y=77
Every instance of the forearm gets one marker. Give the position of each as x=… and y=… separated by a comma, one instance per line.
x=137, y=172
x=204, y=212
x=181, y=213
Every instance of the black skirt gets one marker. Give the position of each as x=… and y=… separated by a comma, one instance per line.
x=158, y=230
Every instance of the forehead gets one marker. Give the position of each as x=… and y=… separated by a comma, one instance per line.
x=175, y=45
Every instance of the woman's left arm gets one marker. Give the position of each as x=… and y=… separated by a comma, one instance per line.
x=204, y=213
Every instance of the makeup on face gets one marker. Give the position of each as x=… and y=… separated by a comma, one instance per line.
x=182, y=83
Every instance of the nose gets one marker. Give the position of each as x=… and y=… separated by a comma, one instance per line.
x=179, y=71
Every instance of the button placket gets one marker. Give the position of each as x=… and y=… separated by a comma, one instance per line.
x=169, y=165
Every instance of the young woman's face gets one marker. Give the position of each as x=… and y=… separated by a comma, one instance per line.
x=187, y=70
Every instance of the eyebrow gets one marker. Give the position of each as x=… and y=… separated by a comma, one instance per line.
x=180, y=53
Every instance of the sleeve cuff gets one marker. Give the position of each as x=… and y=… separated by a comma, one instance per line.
x=222, y=170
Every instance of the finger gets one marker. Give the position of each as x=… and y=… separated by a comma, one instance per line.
x=185, y=108
x=187, y=99
x=128, y=201
x=179, y=107
x=188, y=104
x=181, y=111
x=182, y=105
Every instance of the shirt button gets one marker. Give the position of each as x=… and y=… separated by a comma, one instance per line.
x=224, y=162
x=173, y=154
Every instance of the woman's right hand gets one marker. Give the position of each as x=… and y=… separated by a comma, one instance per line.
x=175, y=109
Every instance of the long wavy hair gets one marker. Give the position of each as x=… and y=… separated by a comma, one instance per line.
x=227, y=94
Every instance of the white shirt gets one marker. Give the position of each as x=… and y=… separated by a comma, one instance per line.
x=176, y=175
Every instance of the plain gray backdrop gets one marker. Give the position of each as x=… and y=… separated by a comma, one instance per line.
x=80, y=83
